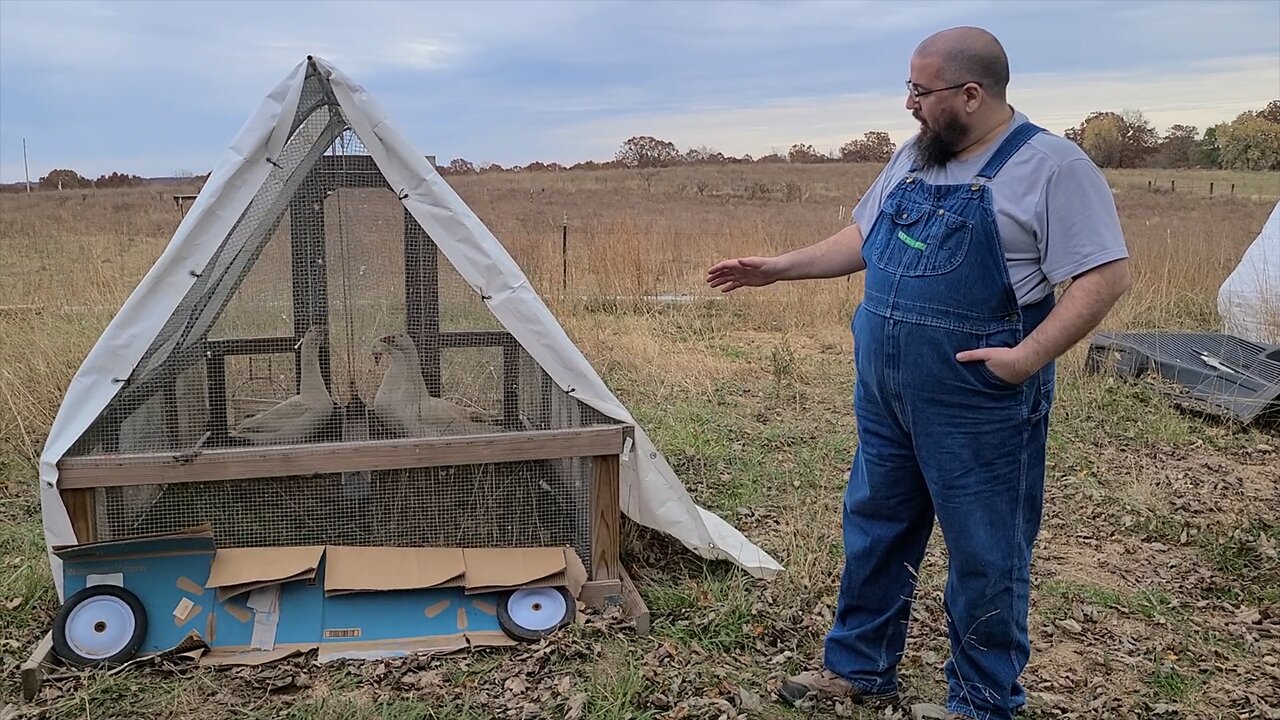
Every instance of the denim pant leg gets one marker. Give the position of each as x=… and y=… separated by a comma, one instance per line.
x=887, y=519
x=986, y=476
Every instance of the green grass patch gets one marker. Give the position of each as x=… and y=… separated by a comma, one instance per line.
x=25, y=579
x=1238, y=555
x=341, y=708
x=617, y=689
x=713, y=610
x=1137, y=415
x=1059, y=597
x=1168, y=683
x=149, y=695
x=1153, y=604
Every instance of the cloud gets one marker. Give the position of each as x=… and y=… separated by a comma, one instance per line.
x=135, y=86
x=1203, y=94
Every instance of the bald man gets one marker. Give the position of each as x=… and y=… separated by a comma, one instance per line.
x=963, y=237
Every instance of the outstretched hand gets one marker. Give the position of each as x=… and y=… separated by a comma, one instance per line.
x=730, y=275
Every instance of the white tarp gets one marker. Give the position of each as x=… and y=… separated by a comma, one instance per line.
x=651, y=493
x=1249, y=299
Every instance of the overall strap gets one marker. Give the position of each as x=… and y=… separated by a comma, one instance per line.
x=1011, y=145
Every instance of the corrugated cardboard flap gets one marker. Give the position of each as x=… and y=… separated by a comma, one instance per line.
x=240, y=570
x=241, y=656
x=490, y=569
x=361, y=569
x=193, y=540
x=435, y=645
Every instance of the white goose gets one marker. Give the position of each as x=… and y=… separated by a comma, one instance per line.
x=402, y=401
x=300, y=416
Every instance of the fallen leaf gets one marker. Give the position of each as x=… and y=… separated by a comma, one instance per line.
x=573, y=709
x=1248, y=616
x=564, y=685
x=748, y=700
x=13, y=603
x=1070, y=626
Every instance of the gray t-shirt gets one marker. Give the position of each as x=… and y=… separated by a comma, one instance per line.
x=1053, y=208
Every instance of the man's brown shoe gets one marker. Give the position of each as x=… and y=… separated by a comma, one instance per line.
x=824, y=685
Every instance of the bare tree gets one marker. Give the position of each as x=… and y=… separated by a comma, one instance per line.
x=644, y=151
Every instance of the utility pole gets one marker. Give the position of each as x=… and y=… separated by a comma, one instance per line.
x=25, y=173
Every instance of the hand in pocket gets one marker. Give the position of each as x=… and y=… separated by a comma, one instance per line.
x=1008, y=364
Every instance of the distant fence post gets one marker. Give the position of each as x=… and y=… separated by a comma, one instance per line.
x=1149, y=182
x=1233, y=188
x=1210, y=188
x=1172, y=186
x=564, y=252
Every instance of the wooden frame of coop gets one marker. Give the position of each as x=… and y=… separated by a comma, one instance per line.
x=214, y=460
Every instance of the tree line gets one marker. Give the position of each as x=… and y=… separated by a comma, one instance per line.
x=1127, y=140
x=1123, y=139
x=66, y=179
x=648, y=152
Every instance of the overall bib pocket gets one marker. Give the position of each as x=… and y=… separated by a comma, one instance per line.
x=920, y=239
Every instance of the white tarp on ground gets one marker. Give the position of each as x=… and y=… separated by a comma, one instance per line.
x=651, y=493
x=1249, y=299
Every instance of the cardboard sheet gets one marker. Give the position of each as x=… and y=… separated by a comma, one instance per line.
x=493, y=568
x=490, y=569
x=356, y=569
x=265, y=603
x=195, y=540
x=355, y=602
x=252, y=657
x=241, y=570
x=435, y=645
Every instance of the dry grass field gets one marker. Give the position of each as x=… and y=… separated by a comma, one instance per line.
x=1156, y=580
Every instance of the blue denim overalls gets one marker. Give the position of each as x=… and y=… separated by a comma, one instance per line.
x=945, y=438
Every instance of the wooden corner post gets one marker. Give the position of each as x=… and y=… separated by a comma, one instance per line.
x=606, y=519
x=81, y=504
x=610, y=584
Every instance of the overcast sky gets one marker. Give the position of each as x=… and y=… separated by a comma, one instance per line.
x=152, y=88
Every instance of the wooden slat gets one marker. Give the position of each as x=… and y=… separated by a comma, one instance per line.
x=601, y=593
x=216, y=394
x=511, y=383
x=81, y=504
x=157, y=468
x=633, y=605
x=33, y=668
x=285, y=344
x=605, y=519
x=422, y=300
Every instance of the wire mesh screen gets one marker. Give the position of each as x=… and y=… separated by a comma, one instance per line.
x=327, y=315
x=544, y=503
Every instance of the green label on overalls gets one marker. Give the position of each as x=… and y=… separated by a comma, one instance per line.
x=910, y=241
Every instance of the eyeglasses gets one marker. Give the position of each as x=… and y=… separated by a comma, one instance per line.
x=917, y=93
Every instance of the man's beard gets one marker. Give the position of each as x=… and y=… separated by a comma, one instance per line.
x=936, y=147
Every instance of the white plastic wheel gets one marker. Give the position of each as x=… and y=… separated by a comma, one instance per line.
x=537, y=609
x=100, y=627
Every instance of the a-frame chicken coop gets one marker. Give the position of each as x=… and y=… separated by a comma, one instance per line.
x=329, y=378
x=334, y=350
